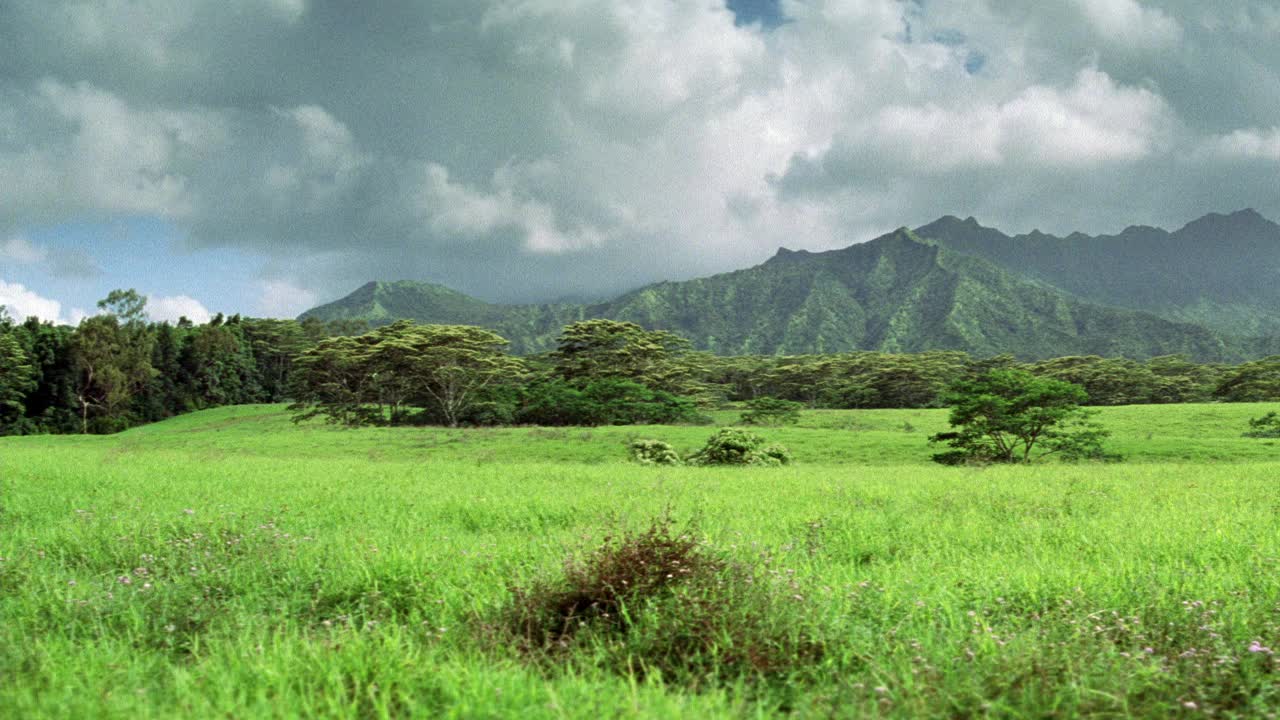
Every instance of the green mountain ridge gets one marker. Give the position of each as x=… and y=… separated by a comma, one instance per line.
x=902, y=292
x=1220, y=271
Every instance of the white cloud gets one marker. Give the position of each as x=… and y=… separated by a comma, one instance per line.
x=1131, y=23
x=457, y=211
x=1090, y=123
x=284, y=299
x=171, y=308
x=21, y=303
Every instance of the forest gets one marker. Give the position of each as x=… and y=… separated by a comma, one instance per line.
x=118, y=369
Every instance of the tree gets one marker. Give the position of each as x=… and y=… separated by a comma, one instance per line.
x=332, y=379
x=128, y=306
x=1257, y=381
x=594, y=349
x=112, y=360
x=1010, y=415
x=17, y=378
x=451, y=366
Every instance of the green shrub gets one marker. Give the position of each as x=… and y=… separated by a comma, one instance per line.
x=734, y=446
x=771, y=411
x=1267, y=426
x=654, y=452
x=660, y=601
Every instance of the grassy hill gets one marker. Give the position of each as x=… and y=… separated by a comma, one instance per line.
x=898, y=293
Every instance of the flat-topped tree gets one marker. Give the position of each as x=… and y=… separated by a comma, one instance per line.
x=1010, y=416
x=594, y=349
x=448, y=367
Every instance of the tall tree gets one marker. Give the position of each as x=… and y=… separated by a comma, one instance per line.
x=17, y=379
x=112, y=358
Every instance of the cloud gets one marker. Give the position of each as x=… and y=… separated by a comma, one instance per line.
x=18, y=249
x=283, y=299
x=21, y=303
x=1247, y=144
x=532, y=149
x=1091, y=123
x=60, y=263
x=172, y=308
x=1131, y=23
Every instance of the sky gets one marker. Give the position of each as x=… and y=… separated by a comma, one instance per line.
x=263, y=156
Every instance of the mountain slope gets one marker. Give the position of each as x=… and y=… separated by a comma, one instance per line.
x=1221, y=271
x=896, y=293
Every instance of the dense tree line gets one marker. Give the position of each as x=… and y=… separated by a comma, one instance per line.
x=881, y=380
x=116, y=369
x=602, y=373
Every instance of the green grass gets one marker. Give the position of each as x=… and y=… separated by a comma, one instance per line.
x=304, y=571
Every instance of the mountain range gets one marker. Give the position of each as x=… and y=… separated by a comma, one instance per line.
x=1210, y=290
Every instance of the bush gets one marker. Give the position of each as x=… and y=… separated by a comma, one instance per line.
x=733, y=446
x=771, y=411
x=1267, y=426
x=654, y=452
x=659, y=600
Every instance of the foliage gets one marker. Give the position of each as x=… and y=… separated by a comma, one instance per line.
x=17, y=378
x=600, y=349
x=654, y=452
x=1251, y=382
x=735, y=446
x=117, y=370
x=445, y=368
x=1009, y=415
x=1267, y=426
x=771, y=411
x=606, y=401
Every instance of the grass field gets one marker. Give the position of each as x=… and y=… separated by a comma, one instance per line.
x=229, y=563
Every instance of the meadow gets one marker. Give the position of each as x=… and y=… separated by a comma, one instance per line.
x=230, y=563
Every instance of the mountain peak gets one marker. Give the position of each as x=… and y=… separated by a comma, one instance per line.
x=1239, y=221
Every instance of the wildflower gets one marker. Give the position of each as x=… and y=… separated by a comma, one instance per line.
x=1190, y=705
x=124, y=580
x=1257, y=647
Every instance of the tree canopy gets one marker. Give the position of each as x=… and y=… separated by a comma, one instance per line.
x=1009, y=415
